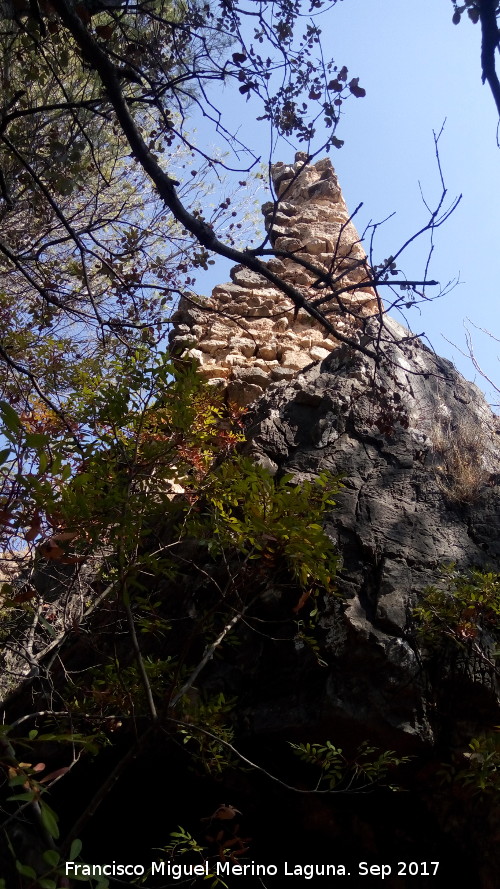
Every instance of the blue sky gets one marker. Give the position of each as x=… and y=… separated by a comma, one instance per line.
x=418, y=69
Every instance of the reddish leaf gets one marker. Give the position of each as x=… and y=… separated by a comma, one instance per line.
x=51, y=551
x=64, y=535
x=56, y=774
x=302, y=601
x=104, y=31
x=34, y=529
x=25, y=596
x=83, y=13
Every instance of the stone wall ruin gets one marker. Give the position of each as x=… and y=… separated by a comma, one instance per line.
x=248, y=334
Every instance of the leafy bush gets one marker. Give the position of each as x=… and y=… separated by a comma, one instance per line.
x=337, y=771
x=463, y=610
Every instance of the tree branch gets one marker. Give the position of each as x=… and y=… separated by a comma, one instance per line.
x=165, y=185
x=489, y=43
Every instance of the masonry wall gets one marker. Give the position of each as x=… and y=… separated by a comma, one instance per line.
x=248, y=334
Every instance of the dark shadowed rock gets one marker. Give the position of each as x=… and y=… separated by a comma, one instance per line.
x=396, y=433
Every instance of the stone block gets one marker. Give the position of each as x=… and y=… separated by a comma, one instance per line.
x=288, y=245
x=239, y=308
x=254, y=375
x=233, y=359
x=296, y=360
x=268, y=351
x=311, y=338
x=324, y=190
x=315, y=246
x=277, y=266
x=318, y=354
x=195, y=355
x=282, y=373
x=265, y=365
x=223, y=298
x=298, y=276
x=243, y=394
x=246, y=278
x=243, y=346
x=215, y=372
x=213, y=346
x=183, y=342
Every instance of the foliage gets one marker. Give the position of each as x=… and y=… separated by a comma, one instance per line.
x=90, y=261
x=118, y=468
x=209, y=746
x=84, y=483
x=29, y=788
x=103, y=190
x=339, y=772
x=466, y=613
x=156, y=469
x=466, y=608
x=183, y=844
x=477, y=770
x=277, y=523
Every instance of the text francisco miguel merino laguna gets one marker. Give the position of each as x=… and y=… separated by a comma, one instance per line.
x=230, y=869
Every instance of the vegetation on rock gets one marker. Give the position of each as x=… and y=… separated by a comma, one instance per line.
x=141, y=548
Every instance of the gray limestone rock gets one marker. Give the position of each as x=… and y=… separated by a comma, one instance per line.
x=395, y=432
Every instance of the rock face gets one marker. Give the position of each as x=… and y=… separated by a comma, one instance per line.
x=247, y=334
x=418, y=451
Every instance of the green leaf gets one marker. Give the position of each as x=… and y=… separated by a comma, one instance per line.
x=50, y=629
x=27, y=797
x=76, y=848
x=19, y=779
x=25, y=870
x=9, y=416
x=47, y=883
x=4, y=453
x=52, y=857
x=36, y=439
x=49, y=819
